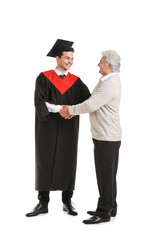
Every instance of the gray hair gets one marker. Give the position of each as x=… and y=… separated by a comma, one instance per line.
x=113, y=58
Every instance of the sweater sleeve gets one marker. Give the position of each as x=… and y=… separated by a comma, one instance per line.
x=100, y=96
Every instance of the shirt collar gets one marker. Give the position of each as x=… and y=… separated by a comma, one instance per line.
x=59, y=73
x=108, y=76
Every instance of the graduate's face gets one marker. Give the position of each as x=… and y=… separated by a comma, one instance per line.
x=104, y=68
x=65, y=62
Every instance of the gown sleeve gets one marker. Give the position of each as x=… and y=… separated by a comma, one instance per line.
x=84, y=92
x=40, y=98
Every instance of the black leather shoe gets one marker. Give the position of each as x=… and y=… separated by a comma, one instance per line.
x=67, y=207
x=96, y=219
x=113, y=213
x=37, y=210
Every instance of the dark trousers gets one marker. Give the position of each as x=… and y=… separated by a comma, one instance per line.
x=44, y=198
x=106, y=155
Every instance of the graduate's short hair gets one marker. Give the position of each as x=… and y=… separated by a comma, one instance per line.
x=113, y=58
x=64, y=48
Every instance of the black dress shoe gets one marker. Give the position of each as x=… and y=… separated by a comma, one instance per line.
x=67, y=207
x=38, y=210
x=113, y=213
x=96, y=219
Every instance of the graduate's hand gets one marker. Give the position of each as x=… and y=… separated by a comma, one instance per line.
x=64, y=112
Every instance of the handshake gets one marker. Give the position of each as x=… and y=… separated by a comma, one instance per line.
x=64, y=112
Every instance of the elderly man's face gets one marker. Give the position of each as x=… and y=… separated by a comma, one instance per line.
x=104, y=68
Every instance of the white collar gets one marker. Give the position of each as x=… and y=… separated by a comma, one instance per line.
x=59, y=73
x=108, y=76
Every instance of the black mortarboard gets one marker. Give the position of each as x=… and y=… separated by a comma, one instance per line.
x=58, y=44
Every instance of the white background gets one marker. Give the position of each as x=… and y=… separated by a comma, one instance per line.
x=28, y=31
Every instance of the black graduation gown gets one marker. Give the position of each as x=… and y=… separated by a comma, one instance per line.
x=55, y=137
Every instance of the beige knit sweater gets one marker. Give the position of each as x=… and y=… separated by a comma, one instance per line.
x=103, y=108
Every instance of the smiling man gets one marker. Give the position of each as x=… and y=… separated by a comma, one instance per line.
x=103, y=108
x=56, y=139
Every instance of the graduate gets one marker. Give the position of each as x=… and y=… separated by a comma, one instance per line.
x=56, y=139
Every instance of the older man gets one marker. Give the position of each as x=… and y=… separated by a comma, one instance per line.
x=103, y=106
